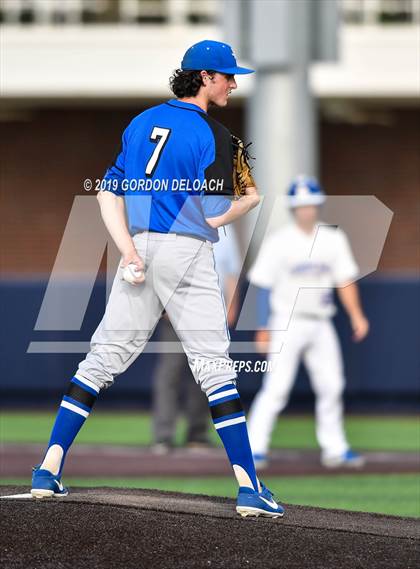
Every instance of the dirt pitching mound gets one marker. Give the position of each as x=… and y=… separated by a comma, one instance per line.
x=143, y=529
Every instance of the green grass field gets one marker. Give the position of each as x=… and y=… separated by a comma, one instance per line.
x=396, y=494
x=293, y=432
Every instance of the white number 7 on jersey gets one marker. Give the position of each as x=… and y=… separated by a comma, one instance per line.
x=160, y=135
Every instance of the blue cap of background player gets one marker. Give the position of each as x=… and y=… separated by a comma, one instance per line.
x=212, y=56
x=305, y=190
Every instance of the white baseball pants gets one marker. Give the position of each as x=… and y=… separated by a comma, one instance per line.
x=314, y=340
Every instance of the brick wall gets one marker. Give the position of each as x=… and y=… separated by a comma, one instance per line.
x=381, y=160
x=46, y=155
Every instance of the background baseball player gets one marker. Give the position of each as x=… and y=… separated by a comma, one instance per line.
x=173, y=383
x=167, y=237
x=296, y=270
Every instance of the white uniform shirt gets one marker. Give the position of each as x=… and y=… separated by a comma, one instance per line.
x=226, y=255
x=301, y=270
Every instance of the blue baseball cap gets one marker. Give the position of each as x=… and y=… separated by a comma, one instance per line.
x=305, y=190
x=213, y=56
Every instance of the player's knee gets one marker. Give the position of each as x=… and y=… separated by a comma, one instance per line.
x=274, y=393
x=212, y=373
x=277, y=400
x=209, y=385
x=332, y=392
x=100, y=379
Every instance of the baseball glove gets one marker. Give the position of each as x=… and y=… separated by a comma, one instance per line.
x=242, y=177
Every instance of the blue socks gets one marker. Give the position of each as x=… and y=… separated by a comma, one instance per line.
x=226, y=410
x=73, y=412
x=230, y=423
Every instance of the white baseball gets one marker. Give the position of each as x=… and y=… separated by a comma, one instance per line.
x=131, y=273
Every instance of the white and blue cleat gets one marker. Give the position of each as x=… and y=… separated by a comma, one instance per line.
x=349, y=459
x=253, y=503
x=47, y=485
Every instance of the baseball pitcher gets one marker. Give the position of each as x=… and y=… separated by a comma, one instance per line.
x=162, y=202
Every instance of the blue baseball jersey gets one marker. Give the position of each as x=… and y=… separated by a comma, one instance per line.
x=174, y=169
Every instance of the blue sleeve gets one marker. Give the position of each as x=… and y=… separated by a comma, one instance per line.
x=213, y=205
x=115, y=174
x=263, y=306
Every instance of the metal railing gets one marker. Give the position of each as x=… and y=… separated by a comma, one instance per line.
x=181, y=11
x=27, y=12
x=384, y=12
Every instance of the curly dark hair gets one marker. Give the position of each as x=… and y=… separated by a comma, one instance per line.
x=186, y=83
